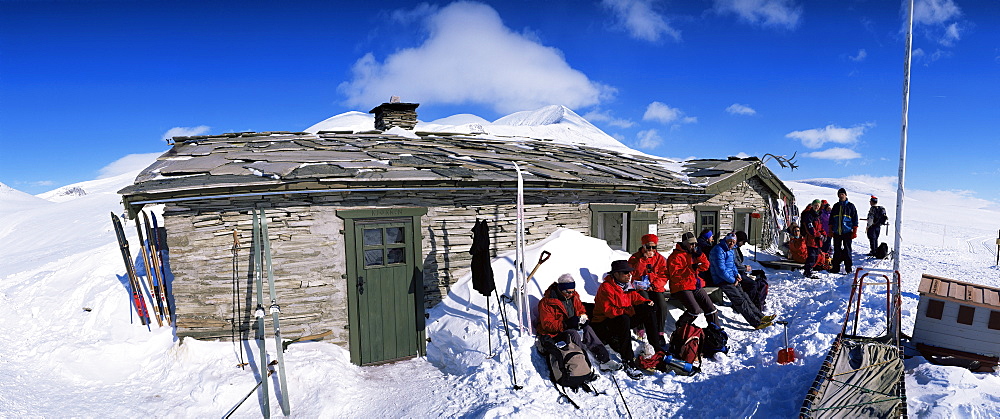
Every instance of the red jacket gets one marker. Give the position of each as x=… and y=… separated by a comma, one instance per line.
x=552, y=312
x=657, y=275
x=611, y=301
x=797, y=249
x=681, y=275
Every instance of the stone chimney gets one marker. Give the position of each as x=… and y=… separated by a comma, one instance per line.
x=395, y=114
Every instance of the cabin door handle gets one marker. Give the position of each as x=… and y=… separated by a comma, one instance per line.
x=361, y=285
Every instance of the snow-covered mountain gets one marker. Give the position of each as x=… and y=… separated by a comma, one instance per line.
x=555, y=122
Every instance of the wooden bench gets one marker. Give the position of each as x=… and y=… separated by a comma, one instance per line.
x=786, y=264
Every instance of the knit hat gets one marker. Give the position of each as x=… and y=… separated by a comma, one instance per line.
x=874, y=198
x=825, y=203
x=650, y=238
x=621, y=266
x=689, y=238
x=841, y=191
x=706, y=233
x=566, y=282
x=730, y=236
x=816, y=202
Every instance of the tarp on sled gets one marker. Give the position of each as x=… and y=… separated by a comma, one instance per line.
x=860, y=377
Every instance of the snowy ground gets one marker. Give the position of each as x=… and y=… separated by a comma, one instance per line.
x=70, y=349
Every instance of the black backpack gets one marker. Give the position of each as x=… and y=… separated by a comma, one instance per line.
x=882, y=251
x=569, y=365
x=879, y=218
x=714, y=340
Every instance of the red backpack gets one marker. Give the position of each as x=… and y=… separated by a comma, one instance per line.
x=684, y=342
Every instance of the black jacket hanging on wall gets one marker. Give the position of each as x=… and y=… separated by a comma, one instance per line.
x=482, y=271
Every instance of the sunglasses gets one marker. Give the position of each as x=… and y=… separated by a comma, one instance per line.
x=650, y=246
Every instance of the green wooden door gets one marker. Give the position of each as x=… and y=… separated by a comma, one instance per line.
x=386, y=328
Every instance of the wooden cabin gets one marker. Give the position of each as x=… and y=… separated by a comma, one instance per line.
x=368, y=229
x=960, y=320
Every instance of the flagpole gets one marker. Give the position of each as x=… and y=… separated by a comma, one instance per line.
x=902, y=157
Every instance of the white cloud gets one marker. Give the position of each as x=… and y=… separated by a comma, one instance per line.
x=607, y=118
x=648, y=139
x=186, y=131
x=129, y=163
x=738, y=109
x=936, y=19
x=639, y=19
x=934, y=12
x=862, y=54
x=661, y=112
x=469, y=56
x=817, y=137
x=836, y=153
x=772, y=13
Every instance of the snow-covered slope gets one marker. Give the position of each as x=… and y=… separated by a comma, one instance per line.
x=72, y=349
x=557, y=123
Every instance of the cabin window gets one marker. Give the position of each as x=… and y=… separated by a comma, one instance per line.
x=966, y=314
x=994, y=320
x=934, y=309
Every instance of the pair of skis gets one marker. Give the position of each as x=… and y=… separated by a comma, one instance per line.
x=262, y=262
x=153, y=292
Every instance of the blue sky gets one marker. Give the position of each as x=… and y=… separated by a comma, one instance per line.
x=84, y=83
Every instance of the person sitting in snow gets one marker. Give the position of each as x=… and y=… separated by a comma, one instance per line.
x=726, y=275
x=617, y=309
x=684, y=265
x=562, y=318
x=650, y=277
x=754, y=282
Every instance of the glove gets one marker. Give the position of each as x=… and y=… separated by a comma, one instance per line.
x=854, y=233
x=694, y=266
x=583, y=320
x=572, y=322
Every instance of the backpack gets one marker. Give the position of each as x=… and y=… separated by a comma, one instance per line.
x=569, y=366
x=714, y=340
x=685, y=341
x=879, y=218
x=882, y=251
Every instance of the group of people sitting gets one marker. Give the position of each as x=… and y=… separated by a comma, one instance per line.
x=634, y=294
x=824, y=240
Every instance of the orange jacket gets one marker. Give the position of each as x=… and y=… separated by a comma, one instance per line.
x=612, y=301
x=658, y=273
x=680, y=273
x=552, y=312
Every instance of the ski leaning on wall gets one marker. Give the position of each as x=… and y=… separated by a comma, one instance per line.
x=138, y=302
x=262, y=263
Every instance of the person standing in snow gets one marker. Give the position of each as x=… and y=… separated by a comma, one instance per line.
x=684, y=265
x=617, y=309
x=876, y=219
x=824, y=221
x=844, y=227
x=726, y=275
x=562, y=318
x=812, y=235
x=650, y=277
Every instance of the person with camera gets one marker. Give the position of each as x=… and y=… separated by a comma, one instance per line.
x=650, y=277
x=684, y=265
x=618, y=308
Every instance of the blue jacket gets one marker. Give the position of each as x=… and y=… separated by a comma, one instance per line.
x=843, y=218
x=723, y=264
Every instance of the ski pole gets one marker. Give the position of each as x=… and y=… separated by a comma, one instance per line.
x=513, y=371
x=615, y=380
x=269, y=372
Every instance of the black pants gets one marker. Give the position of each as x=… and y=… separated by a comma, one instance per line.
x=842, y=252
x=873, y=233
x=811, y=258
x=617, y=331
x=589, y=341
x=697, y=302
x=659, y=309
x=742, y=304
